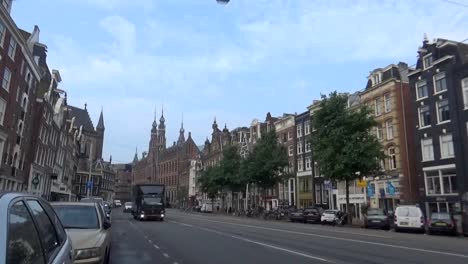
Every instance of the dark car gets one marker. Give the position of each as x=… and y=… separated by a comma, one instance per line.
x=442, y=223
x=297, y=216
x=313, y=215
x=377, y=218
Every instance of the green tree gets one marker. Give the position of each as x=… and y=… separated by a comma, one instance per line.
x=264, y=165
x=208, y=182
x=343, y=144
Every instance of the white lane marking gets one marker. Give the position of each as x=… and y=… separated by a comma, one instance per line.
x=321, y=229
x=187, y=225
x=346, y=239
x=263, y=244
x=151, y=241
x=175, y=263
x=165, y=255
x=182, y=224
x=155, y=246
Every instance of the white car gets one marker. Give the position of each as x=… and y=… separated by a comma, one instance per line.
x=409, y=217
x=328, y=217
x=207, y=208
x=88, y=229
x=117, y=203
x=127, y=207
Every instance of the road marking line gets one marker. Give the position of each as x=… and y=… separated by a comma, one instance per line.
x=328, y=230
x=165, y=255
x=149, y=240
x=346, y=239
x=155, y=246
x=262, y=244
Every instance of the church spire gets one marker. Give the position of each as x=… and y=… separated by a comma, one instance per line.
x=100, y=124
x=181, y=139
x=135, y=158
x=162, y=120
x=155, y=124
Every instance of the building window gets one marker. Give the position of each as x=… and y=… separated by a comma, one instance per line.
x=441, y=182
x=307, y=147
x=308, y=163
x=299, y=148
x=12, y=49
x=300, y=165
x=388, y=102
x=299, y=131
x=316, y=170
x=2, y=34
x=307, y=127
x=427, y=61
x=446, y=146
x=392, y=162
x=440, y=82
x=6, y=79
x=379, y=132
x=376, y=78
x=2, y=110
x=427, y=149
x=443, y=111
x=378, y=106
x=290, y=150
x=389, y=125
x=432, y=182
x=290, y=136
x=421, y=89
x=424, y=116
x=465, y=92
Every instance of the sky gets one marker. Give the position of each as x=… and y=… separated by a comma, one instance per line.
x=200, y=60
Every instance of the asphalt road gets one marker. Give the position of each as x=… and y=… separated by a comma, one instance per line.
x=191, y=238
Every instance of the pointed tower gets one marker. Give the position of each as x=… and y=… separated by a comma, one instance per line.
x=162, y=132
x=100, y=137
x=135, y=158
x=153, y=145
x=181, y=139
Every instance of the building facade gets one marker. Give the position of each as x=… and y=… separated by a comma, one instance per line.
x=167, y=165
x=123, y=181
x=20, y=76
x=285, y=128
x=387, y=96
x=439, y=90
x=305, y=194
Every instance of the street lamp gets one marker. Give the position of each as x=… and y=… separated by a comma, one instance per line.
x=222, y=2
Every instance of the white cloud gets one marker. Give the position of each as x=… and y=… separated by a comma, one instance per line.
x=124, y=33
x=116, y=4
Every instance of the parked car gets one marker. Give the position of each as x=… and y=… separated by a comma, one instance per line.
x=127, y=207
x=98, y=200
x=328, y=217
x=117, y=203
x=442, y=223
x=313, y=214
x=31, y=232
x=409, y=217
x=88, y=228
x=376, y=218
x=297, y=216
x=207, y=207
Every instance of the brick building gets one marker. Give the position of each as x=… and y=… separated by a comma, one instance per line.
x=387, y=95
x=439, y=92
x=20, y=76
x=304, y=166
x=123, y=181
x=167, y=165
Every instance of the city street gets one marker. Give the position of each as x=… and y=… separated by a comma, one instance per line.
x=204, y=238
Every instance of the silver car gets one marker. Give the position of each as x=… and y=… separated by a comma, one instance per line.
x=88, y=228
x=31, y=232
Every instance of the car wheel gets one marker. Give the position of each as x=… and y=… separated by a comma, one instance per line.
x=162, y=219
x=107, y=258
x=323, y=222
x=397, y=229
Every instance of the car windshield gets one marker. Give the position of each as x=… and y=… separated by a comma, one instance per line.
x=128, y=203
x=375, y=212
x=77, y=216
x=408, y=211
x=440, y=216
x=329, y=212
x=152, y=200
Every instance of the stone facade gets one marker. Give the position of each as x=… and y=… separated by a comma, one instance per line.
x=123, y=182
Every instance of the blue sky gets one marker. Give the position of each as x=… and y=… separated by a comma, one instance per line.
x=235, y=62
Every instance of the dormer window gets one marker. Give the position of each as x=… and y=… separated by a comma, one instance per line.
x=376, y=79
x=427, y=61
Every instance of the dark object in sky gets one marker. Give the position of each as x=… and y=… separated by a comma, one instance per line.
x=222, y=2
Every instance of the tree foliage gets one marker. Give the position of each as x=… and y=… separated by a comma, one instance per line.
x=343, y=144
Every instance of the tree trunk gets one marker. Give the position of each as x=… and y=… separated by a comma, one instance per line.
x=347, y=202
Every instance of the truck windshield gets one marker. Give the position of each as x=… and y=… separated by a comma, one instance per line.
x=152, y=200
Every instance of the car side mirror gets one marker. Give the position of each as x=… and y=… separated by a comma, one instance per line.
x=106, y=225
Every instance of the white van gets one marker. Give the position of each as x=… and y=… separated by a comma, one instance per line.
x=207, y=208
x=409, y=217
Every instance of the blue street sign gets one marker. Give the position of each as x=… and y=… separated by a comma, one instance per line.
x=391, y=188
x=90, y=185
x=370, y=190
